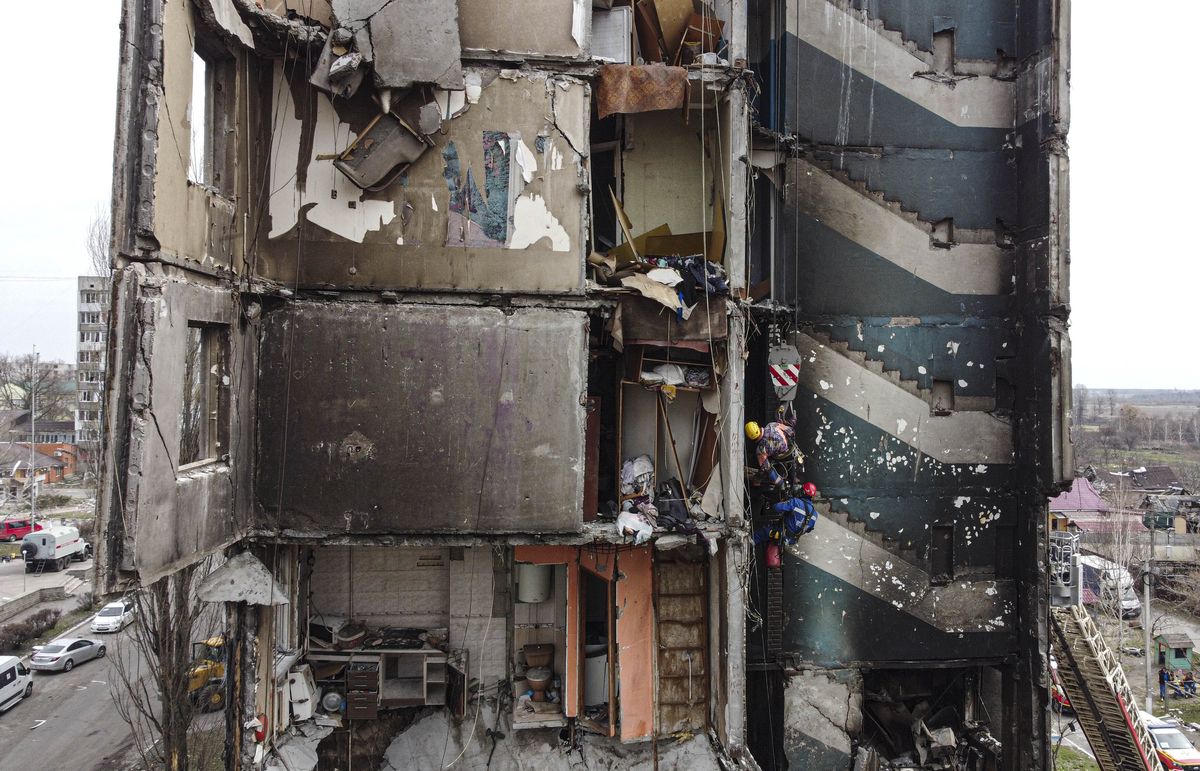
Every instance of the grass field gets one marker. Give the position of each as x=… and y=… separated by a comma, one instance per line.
x=1069, y=759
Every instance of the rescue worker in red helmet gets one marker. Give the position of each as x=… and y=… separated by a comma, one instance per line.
x=798, y=516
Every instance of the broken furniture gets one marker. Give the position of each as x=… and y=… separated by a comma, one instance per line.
x=383, y=678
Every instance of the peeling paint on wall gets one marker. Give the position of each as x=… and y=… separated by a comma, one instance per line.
x=328, y=197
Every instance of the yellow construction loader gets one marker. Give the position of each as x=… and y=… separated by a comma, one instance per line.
x=206, y=675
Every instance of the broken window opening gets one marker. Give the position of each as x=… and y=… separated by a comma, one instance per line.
x=198, y=167
x=211, y=114
x=203, y=436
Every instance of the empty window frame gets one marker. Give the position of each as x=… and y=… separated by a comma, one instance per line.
x=210, y=114
x=203, y=411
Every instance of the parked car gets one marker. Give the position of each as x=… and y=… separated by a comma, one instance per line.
x=1175, y=751
x=114, y=616
x=63, y=654
x=16, y=682
x=13, y=530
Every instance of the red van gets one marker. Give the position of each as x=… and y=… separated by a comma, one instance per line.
x=16, y=529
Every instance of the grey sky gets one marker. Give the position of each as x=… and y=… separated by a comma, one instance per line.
x=57, y=171
x=1133, y=279
x=1133, y=284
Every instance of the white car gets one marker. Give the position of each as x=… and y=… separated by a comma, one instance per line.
x=114, y=616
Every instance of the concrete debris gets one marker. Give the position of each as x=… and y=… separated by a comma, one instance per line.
x=345, y=83
x=409, y=43
x=227, y=17
x=470, y=747
x=297, y=751
x=243, y=578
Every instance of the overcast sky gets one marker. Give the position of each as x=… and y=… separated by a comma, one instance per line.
x=1134, y=277
x=57, y=172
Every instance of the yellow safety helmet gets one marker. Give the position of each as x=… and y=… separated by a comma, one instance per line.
x=753, y=431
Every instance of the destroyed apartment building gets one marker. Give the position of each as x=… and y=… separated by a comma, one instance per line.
x=439, y=323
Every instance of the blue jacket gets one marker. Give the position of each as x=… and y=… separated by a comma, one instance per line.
x=799, y=517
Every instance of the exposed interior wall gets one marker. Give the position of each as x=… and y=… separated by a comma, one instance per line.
x=667, y=173
x=533, y=28
x=381, y=411
x=383, y=586
x=479, y=614
x=181, y=515
x=404, y=235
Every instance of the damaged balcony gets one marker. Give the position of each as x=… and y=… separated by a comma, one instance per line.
x=615, y=641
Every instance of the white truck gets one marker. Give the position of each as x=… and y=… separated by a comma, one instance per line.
x=1109, y=586
x=54, y=547
x=16, y=682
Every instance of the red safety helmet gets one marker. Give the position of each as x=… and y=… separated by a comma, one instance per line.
x=809, y=489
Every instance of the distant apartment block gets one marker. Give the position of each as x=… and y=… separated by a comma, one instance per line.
x=92, y=302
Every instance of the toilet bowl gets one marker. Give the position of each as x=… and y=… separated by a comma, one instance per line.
x=538, y=660
x=539, y=679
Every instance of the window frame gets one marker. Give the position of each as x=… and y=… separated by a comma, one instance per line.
x=213, y=367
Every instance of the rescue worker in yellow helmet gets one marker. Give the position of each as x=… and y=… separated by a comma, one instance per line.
x=775, y=441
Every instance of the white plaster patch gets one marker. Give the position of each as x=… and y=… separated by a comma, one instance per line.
x=962, y=384
x=532, y=222
x=474, y=87
x=952, y=347
x=326, y=187
x=922, y=370
x=433, y=201
x=979, y=469
x=526, y=160
x=880, y=349
x=901, y=424
x=826, y=385
x=579, y=16
x=874, y=515
x=960, y=500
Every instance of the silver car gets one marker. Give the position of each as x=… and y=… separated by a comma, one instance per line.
x=63, y=654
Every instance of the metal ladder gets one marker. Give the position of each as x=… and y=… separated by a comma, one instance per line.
x=1104, y=705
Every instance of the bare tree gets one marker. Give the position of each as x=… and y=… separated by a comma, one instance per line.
x=1081, y=404
x=21, y=377
x=1111, y=398
x=99, y=243
x=151, y=692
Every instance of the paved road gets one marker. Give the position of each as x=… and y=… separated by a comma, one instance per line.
x=69, y=722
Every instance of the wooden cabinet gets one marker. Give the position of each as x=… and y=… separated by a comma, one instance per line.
x=386, y=678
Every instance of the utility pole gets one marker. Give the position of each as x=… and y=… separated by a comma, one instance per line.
x=1147, y=579
x=33, y=441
